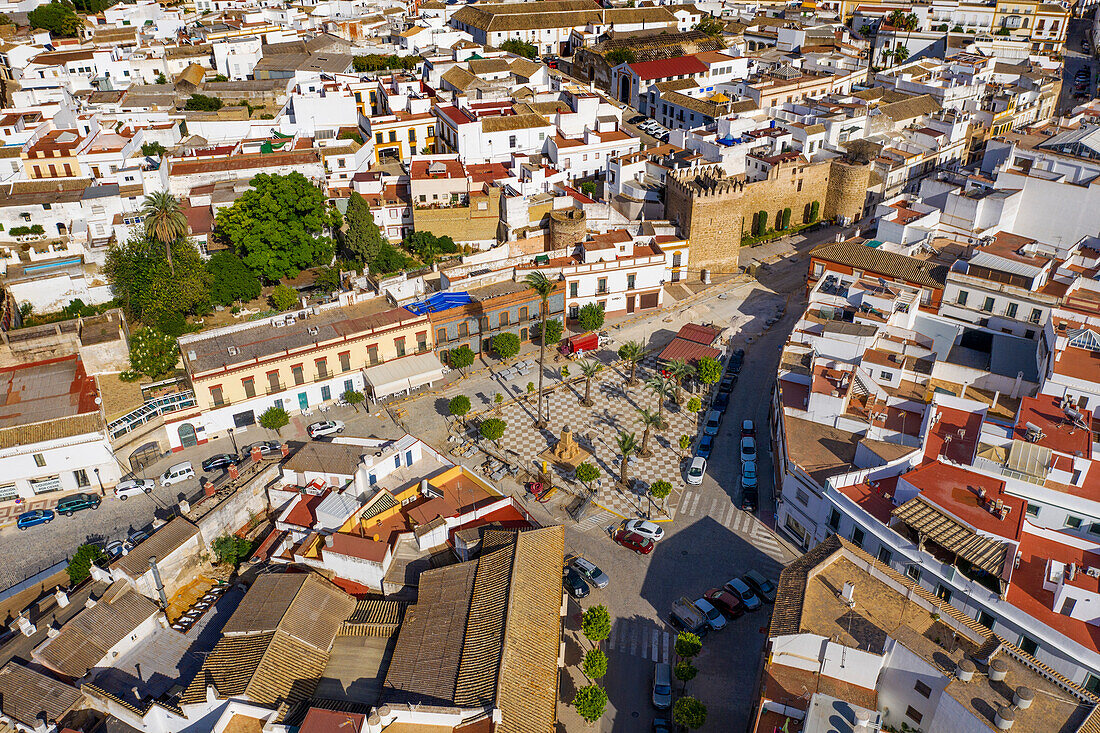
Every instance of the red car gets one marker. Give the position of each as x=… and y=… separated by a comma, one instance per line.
x=634, y=541
x=726, y=602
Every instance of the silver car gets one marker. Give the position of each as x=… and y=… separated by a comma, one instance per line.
x=662, y=686
x=590, y=572
x=715, y=619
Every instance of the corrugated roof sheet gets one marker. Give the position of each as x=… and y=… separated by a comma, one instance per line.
x=953, y=535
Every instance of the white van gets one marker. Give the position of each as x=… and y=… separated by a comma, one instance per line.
x=177, y=473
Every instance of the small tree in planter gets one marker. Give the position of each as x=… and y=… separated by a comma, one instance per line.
x=596, y=624
x=590, y=317
x=694, y=405
x=274, y=418
x=587, y=473
x=709, y=370
x=493, y=429
x=660, y=490
x=688, y=645
x=689, y=713
x=80, y=567
x=459, y=406
x=595, y=664
x=685, y=443
x=685, y=671
x=506, y=345
x=590, y=702
x=460, y=358
x=354, y=398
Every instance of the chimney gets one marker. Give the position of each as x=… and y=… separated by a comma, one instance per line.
x=1023, y=697
x=965, y=670
x=328, y=540
x=848, y=594
x=998, y=670
x=1006, y=716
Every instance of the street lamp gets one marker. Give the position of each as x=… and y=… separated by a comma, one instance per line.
x=233, y=440
x=102, y=492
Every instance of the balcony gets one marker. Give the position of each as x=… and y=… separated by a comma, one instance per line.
x=275, y=387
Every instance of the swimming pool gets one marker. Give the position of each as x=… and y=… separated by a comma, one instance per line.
x=52, y=265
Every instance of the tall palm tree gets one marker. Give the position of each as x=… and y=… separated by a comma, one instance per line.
x=663, y=390
x=543, y=287
x=649, y=420
x=679, y=370
x=628, y=444
x=164, y=220
x=589, y=369
x=632, y=352
x=901, y=53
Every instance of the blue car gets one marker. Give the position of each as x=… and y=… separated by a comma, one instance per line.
x=705, y=445
x=33, y=517
x=721, y=402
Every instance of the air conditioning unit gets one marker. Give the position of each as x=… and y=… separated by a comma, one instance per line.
x=233, y=350
x=313, y=330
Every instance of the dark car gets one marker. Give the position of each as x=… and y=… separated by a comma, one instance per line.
x=34, y=517
x=737, y=359
x=637, y=119
x=749, y=499
x=219, y=461
x=706, y=444
x=725, y=602
x=727, y=384
x=634, y=541
x=76, y=503
x=761, y=585
x=575, y=584
x=721, y=402
x=267, y=447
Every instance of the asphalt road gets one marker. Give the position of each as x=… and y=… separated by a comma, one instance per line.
x=1075, y=59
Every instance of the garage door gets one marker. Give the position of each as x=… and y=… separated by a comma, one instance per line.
x=649, y=300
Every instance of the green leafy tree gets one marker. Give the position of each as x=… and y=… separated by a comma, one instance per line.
x=498, y=398
x=543, y=287
x=151, y=290
x=661, y=388
x=459, y=405
x=354, y=398
x=688, y=645
x=595, y=664
x=709, y=370
x=628, y=446
x=530, y=388
x=153, y=149
x=203, y=103
x=382, y=62
x=564, y=371
x=230, y=550
x=520, y=48
x=56, y=17
x=161, y=79
x=649, y=420
x=588, y=188
x=492, y=429
x=427, y=246
x=164, y=221
x=327, y=279
x=660, y=490
x=80, y=566
x=689, y=713
x=460, y=358
x=553, y=331
x=815, y=208
x=596, y=623
x=152, y=353
x=685, y=443
x=506, y=345
x=632, y=352
x=274, y=418
x=587, y=473
x=5, y=19
x=621, y=56
x=787, y=217
x=761, y=223
x=279, y=226
x=685, y=671
x=361, y=236
x=694, y=404
x=589, y=369
x=284, y=297
x=590, y=317
x=590, y=702
x=231, y=279
x=710, y=25
x=220, y=77
x=389, y=259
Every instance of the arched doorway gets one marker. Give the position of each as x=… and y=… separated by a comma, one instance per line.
x=187, y=435
x=624, y=88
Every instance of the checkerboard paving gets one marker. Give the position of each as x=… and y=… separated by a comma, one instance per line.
x=596, y=428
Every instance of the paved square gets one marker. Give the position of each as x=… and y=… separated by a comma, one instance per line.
x=614, y=410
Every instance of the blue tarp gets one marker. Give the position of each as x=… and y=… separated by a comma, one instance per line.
x=439, y=302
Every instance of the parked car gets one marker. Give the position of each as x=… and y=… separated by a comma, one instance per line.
x=136, y=538
x=633, y=541
x=696, y=470
x=737, y=360
x=177, y=473
x=662, y=685
x=686, y=617
x=714, y=421
x=748, y=475
x=637, y=119
x=725, y=602
x=575, y=584
x=77, y=502
x=114, y=549
x=133, y=487
x=749, y=499
x=721, y=402
x=748, y=429
x=647, y=529
x=748, y=448
x=590, y=572
x=715, y=619
x=661, y=725
x=727, y=384
x=219, y=461
x=706, y=443
x=741, y=589
x=267, y=447
x=325, y=427
x=760, y=585
x=34, y=517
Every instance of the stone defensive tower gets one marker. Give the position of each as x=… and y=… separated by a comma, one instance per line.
x=567, y=228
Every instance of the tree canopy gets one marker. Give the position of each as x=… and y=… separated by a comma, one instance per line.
x=202, y=103
x=152, y=353
x=553, y=331
x=279, y=226
x=459, y=405
x=689, y=713
x=620, y=56
x=284, y=297
x=274, y=418
x=380, y=62
x=493, y=428
x=595, y=664
x=506, y=344
x=361, y=237
x=80, y=566
x=710, y=25
x=389, y=259
x=58, y=18
x=590, y=317
x=520, y=48
x=151, y=290
x=596, y=623
x=231, y=550
x=590, y=702
x=460, y=358
x=427, y=246
x=231, y=280
x=708, y=369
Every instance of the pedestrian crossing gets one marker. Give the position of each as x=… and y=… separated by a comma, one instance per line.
x=600, y=519
x=721, y=510
x=641, y=638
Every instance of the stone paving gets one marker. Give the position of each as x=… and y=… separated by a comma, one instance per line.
x=614, y=410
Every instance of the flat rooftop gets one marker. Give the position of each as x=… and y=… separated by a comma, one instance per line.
x=45, y=390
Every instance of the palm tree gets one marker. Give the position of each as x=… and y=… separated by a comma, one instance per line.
x=649, y=420
x=660, y=386
x=589, y=369
x=679, y=370
x=543, y=287
x=632, y=352
x=901, y=53
x=164, y=220
x=627, y=446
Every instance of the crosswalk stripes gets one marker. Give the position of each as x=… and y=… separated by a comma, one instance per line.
x=640, y=639
x=599, y=519
x=734, y=519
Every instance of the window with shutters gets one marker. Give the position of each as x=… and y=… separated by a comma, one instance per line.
x=922, y=689
x=298, y=374
x=216, y=396
x=399, y=345
x=345, y=361
x=249, y=385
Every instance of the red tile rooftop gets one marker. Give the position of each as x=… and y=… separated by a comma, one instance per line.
x=955, y=435
x=793, y=394
x=875, y=500
x=1026, y=591
x=487, y=172
x=304, y=512
x=1058, y=433
x=1078, y=363
x=364, y=548
x=956, y=491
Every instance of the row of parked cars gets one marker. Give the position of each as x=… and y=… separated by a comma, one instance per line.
x=580, y=574
x=717, y=606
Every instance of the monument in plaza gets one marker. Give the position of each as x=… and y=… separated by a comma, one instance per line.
x=567, y=454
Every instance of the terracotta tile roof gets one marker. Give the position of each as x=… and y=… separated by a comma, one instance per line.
x=40, y=432
x=26, y=694
x=513, y=122
x=666, y=68
x=160, y=544
x=228, y=667
x=854, y=253
x=791, y=590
